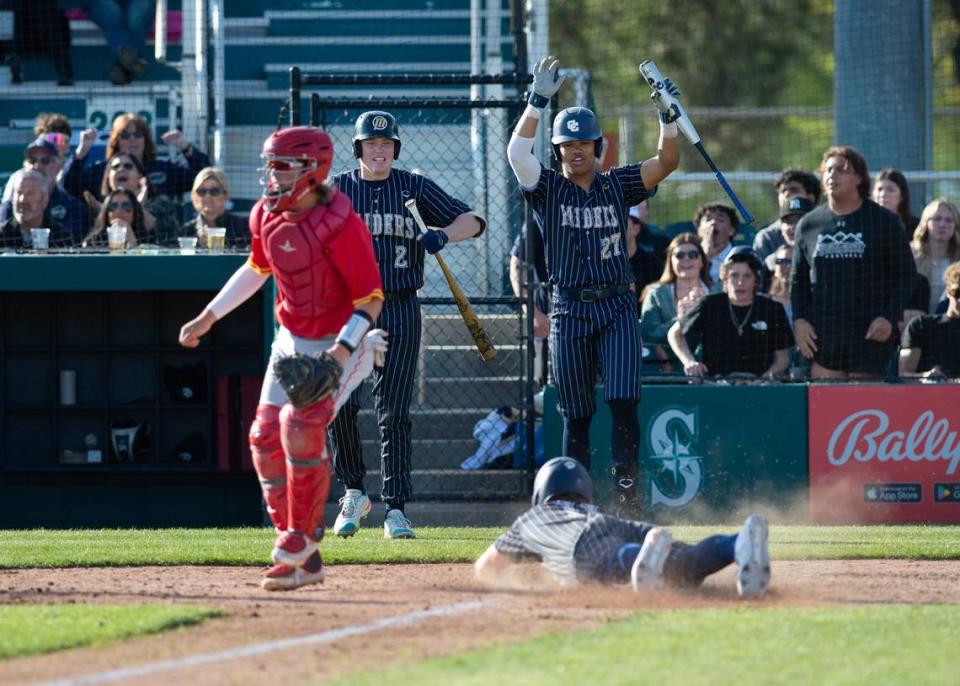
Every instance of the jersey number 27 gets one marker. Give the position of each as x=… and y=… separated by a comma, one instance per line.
x=610, y=246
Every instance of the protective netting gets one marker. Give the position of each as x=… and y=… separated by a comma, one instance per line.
x=769, y=86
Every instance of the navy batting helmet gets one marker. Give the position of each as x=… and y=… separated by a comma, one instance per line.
x=376, y=124
x=576, y=124
x=561, y=475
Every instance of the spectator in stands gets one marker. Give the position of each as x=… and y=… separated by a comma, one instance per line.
x=780, y=265
x=790, y=212
x=130, y=134
x=645, y=249
x=30, y=197
x=716, y=225
x=684, y=281
x=124, y=24
x=56, y=129
x=852, y=275
x=790, y=183
x=739, y=330
x=210, y=194
x=121, y=206
x=891, y=190
x=70, y=214
x=160, y=212
x=935, y=245
x=40, y=28
x=931, y=343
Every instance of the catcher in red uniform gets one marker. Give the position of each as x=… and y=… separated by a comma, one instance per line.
x=318, y=250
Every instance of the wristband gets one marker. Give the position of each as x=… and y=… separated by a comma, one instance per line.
x=669, y=130
x=354, y=330
x=533, y=112
x=538, y=101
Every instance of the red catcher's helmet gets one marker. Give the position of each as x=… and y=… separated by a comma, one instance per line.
x=306, y=150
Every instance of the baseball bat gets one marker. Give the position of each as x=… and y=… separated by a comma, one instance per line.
x=653, y=77
x=480, y=337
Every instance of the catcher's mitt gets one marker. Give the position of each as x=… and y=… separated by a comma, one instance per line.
x=307, y=378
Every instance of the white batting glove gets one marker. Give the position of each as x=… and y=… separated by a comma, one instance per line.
x=376, y=339
x=546, y=81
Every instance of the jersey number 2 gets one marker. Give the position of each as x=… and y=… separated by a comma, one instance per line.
x=400, y=260
x=610, y=246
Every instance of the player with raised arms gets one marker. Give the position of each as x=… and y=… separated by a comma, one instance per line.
x=582, y=213
x=329, y=293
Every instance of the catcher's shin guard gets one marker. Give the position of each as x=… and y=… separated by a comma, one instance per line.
x=268, y=460
x=303, y=433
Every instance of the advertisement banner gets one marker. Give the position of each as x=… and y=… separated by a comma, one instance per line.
x=707, y=452
x=885, y=454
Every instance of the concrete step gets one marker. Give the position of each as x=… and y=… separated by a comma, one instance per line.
x=448, y=329
x=448, y=423
x=258, y=8
x=464, y=360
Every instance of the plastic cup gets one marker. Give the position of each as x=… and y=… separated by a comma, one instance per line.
x=188, y=245
x=40, y=239
x=117, y=238
x=216, y=239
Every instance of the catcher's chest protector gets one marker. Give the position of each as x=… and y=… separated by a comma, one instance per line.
x=298, y=253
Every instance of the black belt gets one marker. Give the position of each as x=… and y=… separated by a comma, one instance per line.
x=589, y=295
x=402, y=294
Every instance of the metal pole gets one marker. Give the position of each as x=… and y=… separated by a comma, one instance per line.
x=294, y=96
x=219, y=86
x=160, y=32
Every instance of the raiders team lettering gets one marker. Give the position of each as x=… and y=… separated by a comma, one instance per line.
x=391, y=225
x=598, y=217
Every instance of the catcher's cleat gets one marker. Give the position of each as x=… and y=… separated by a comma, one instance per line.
x=354, y=506
x=293, y=549
x=287, y=578
x=647, y=571
x=753, y=557
x=396, y=525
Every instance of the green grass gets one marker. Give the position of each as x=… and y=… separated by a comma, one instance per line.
x=250, y=546
x=891, y=644
x=36, y=629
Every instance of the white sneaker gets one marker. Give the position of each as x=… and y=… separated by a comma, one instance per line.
x=753, y=557
x=396, y=525
x=647, y=571
x=354, y=506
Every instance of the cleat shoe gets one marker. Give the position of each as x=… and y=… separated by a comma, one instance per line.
x=287, y=578
x=293, y=549
x=753, y=558
x=396, y=525
x=647, y=571
x=354, y=506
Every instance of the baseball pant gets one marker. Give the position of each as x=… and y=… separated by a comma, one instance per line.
x=392, y=394
x=587, y=337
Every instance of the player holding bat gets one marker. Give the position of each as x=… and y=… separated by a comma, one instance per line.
x=378, y=192
x=583, y=217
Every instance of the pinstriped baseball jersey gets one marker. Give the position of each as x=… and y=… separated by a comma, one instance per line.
x=573, y=541
x=396, y=237
x=585, y=231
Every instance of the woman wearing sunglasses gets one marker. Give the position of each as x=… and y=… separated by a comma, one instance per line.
x=210, y=194
x=130, y=134
x=685, y=279
x=119, y=207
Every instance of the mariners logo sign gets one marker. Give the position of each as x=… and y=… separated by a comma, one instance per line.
x=678, y=475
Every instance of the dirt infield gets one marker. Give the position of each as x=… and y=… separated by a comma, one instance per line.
x=354, y=596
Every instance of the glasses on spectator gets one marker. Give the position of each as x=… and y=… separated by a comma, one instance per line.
x=691, y=254
x=42, y=161
x=127, y=135
x=783, y=260
x=126, y=206
x=212, y=192
x=129, y=166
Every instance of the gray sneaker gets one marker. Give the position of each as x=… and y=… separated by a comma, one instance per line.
x=397, y=526
x=753, y=558
x=354, y=506
x=647, y=571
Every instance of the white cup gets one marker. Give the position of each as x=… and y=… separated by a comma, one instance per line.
x=117, y=237
x=40, y=239
x=68, y=387
x=216, y=239
x=188, y=245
